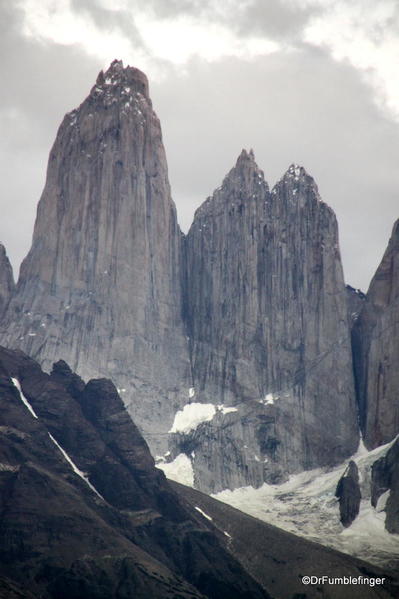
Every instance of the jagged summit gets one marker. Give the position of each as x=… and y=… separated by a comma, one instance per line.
x=245, y=182
x=246, y=174
x=118, y=75
x=246, y=157
x=297, y=181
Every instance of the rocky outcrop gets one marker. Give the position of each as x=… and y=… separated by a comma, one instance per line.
x=348, y=494
x=6, y=280
x=267, y=319
x=385, y=487
x=376, y=351
x=101, y=285
x=83, y=511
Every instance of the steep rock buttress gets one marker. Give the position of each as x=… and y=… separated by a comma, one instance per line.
x=101, y=285
x=267, y=319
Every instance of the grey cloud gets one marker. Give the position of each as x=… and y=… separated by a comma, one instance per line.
x=302, y=108
x=279, y=20
x=298, y=107
x=40, y=83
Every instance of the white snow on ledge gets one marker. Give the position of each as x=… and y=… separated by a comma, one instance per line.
x=225, y=410
x=191, y=416
x=195, y=413
x=180, y=470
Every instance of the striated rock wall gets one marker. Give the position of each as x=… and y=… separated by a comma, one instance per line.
x=267, y=319
x=101, y=285
x=376, y=351
x=7, y=285
x=248, y=311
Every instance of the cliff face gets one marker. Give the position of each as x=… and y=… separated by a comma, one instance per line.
x=376, y=351
x=101, y=285
x=247, y=313
x=267, y=318
x=7, y=285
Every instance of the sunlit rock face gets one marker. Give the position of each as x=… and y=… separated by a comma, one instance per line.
x=376, y=351
x=267, y=318
x=101, y=285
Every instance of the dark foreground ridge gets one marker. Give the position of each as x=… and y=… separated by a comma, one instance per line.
x=117, y=529
x=84, y=512
x=278, y=559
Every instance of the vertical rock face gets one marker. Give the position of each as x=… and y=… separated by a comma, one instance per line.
x=385, y=486
x=376, y=351
x=267, y=318
x=101, y=284
x=6, y=279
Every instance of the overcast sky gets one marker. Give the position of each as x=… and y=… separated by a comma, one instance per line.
x=309, y=81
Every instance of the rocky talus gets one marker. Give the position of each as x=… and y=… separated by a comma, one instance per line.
x=101, y=285
x=267, y=318
x=7, y=284
x=376, y=351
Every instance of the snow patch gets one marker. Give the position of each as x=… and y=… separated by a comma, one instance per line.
x=382, y=501
x=74, y=467
x=23, y=398
x=191, y=416
x=180, y=470
x=191, y=392
x=269, y=399
x=203, y=513
x=306, y=505
x=225, y=410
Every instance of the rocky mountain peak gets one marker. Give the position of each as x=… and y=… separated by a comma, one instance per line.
x=245, y=176
x=119, y=76
x=297, y=179
x=100, y=287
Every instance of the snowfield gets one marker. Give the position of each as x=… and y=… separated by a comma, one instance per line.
x=306, y=505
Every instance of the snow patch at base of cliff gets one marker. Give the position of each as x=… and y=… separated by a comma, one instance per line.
x=306, y=505
x=180, y=470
